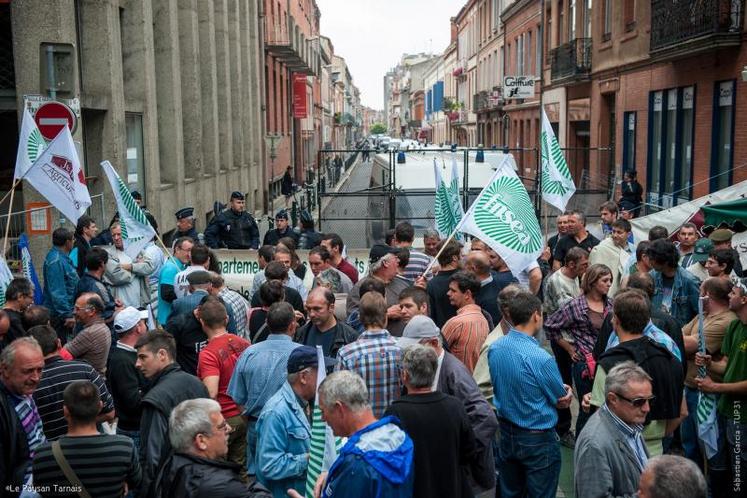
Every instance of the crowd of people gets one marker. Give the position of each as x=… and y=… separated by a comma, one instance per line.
x=445, y=374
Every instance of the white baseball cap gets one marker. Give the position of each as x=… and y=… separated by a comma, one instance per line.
x=128, y=318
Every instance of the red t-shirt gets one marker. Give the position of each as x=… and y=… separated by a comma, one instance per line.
x=219, y=358
x=348, y=270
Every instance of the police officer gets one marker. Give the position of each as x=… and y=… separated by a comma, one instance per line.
x=308, y=238
x=281, y=230
x=234, y=228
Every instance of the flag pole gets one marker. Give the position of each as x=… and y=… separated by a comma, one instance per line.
x=443, y=246
x=7, y=221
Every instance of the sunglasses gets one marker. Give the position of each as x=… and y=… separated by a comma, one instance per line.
x=636, y=402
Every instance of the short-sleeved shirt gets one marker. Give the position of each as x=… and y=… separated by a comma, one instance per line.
x=92, y=345
x=568, y=242
x=714, y=330
x=324, y=339
x=219, y=358
x=735, y=348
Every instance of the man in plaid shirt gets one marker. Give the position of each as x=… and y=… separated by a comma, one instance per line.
x=375, y=356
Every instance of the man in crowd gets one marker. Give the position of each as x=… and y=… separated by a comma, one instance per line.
x=185, y=225
x=265, y=255
x=642, y=263
x=529, y=450
x=234, y=228
x=563, y=285
x=608, y=213
x=384, y=265
x=128, y=277
x=478, y=262
x=552, y=242
x=21, y=433
x=666, y=476
x=60, y=279
x=431, y=239
x=375, y=356
x=235, y=303
x=283, y=426
x=277, y=271
x=282, y=255
x=438, y=425
x=687, y=236
x=676, y=289
x=93, y=281
x=732, y=365
x=198, y=466
x=260, y=372
x=413, y=301
x=127, y=383
x=466, y=332
x=170, y=386
x=85, y=230
x=199, y=258
x=56, y=376
x=333, y=243
x=440, y=305
x=631, y=315
x=610, y=453
x=722, y=240
x=577, y=236
x=323, y=329
x=699, y=259
x=320, y=261
x=282, y=229
x=19, y=295
x=368, y=284
x=614, y=251
x=187, y=331
x=103, y=463
x=360, y=470
x=404, y=235
x=720, y=264
x=716, y=320
x=167, y=279
x=93, y=342
x=215, y=367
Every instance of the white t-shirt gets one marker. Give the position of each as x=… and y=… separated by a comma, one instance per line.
x=181, y=286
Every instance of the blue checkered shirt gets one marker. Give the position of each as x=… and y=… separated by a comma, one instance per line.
x=377, y=358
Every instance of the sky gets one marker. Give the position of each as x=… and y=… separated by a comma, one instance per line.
x=372, y=35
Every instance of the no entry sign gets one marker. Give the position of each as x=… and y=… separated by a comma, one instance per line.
x=52, y=116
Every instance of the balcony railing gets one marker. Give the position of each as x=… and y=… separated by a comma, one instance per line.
x=695, y=25
x=282, y=42
x=488, y=100
x=571, y=60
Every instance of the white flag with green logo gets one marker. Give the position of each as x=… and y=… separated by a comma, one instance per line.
x=136, y=229
x=5, y=277
x=31, y=144
x=503, y=217
x=557, y=183
x=448, y=210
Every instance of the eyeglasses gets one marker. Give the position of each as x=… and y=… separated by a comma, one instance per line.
x=223, y=427
x=636, y=402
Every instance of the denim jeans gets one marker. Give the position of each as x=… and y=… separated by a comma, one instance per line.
x=583, y=386
x=251, y=446
x=565, y=365
x=689, y=428
x=529, y=462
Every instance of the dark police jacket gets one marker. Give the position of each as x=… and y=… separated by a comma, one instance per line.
x=14, y=448
x=232, y=230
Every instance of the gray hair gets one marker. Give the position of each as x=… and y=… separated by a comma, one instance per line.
x=373, y=268
x=331, y=279
x=420, y=362
x=348, y=388
x=189, y=418
x=621, y=375
x=580, y=215
x=675, y=477
x=8, y=355
x=430, y=233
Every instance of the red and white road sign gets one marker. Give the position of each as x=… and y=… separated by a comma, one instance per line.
x=52, y=116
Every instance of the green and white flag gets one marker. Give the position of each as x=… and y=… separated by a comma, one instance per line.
x=324, y=446
x=31, y=144
x=503, y=217
x=448, y=210
x=5, y=277
x=557, y=183
x=707, y=402
x=136, y=229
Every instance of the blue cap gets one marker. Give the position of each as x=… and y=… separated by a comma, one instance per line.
x=186, y=212
x=237, y=195
x=304, y=357
x=282, y=215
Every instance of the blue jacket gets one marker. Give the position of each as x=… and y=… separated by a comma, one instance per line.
x=685, y=295
x=283, y=444
x=60, y=280
x=376, y=462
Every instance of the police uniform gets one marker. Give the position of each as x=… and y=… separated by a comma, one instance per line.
x=186, y=212
x=232, y=230
x=272, y=237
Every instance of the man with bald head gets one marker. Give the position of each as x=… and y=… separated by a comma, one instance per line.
x=478, y=262
x=93, y=342
x=323, y=329
x=21, y=432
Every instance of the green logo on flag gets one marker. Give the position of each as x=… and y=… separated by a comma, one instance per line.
x=132, y=209
x=554, y=155
x=35, y=145
x=505, y=214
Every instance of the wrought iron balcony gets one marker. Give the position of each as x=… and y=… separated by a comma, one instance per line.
x=571, y=60
x=685, y=27
x=488, y=100
x=283, y=42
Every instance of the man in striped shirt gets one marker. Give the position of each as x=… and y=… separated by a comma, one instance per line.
x=404, y=235
x=466, y=332
x=375, y=356
x=56, y=376
x=103, y=463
